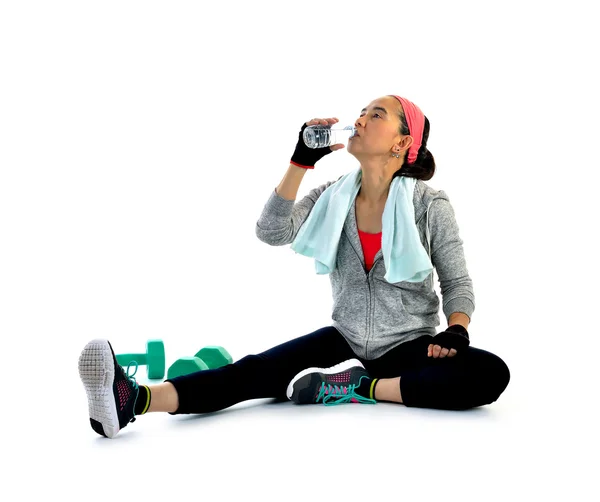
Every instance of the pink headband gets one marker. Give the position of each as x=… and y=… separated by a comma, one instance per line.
x=416, y=124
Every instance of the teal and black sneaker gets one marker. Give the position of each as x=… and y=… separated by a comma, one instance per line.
x=111, y=392
x=335, y=385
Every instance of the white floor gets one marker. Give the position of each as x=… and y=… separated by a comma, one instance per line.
x=510, y=450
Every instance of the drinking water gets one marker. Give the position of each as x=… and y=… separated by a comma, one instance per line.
x=318, y=136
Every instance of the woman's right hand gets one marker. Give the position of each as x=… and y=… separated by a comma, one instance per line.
x=307, y=157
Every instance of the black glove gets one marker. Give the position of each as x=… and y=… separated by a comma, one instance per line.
x=455, y=337
x=306, y=156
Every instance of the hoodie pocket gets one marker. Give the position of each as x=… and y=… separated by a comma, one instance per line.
x=417, y=297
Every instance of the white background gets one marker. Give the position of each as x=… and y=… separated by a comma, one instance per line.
x=139, y=142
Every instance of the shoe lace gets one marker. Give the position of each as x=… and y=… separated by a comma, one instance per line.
x=341, y=394
x=135, y=384
x=130, y=377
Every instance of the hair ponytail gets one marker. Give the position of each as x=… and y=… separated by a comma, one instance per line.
x=423, y=168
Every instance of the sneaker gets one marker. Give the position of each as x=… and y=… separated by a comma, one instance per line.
x=111, y=392
x=336, y=384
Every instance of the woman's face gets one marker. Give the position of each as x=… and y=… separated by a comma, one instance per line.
x=377, y=128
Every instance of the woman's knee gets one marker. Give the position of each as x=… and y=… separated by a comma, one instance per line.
x=493, y=371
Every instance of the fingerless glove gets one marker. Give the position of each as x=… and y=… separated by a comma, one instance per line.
x=455, y=337
x=307, y=157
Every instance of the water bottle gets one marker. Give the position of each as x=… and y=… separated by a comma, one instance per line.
x=318, y=136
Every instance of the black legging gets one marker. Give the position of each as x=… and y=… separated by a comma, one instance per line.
x=473, y=377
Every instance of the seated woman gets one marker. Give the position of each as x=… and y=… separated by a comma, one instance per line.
x=381, y=236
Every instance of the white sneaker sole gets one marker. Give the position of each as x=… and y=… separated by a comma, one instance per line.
x=97, y=372
x=350, y=363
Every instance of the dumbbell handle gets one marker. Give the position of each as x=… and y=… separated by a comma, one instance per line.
x=124, y=359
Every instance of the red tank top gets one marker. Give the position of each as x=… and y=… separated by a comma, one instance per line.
x=371, y=244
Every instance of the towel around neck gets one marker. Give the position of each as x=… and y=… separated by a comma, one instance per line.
x=404, y=256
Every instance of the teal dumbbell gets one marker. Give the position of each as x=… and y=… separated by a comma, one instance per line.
x=153, y=359
x=208, y=358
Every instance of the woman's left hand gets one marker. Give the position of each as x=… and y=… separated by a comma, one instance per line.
x=437, y=351
x=455, y=335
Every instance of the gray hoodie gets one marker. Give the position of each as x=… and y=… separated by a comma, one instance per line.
x=372, y=314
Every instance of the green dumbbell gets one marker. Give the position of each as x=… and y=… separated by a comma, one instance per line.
x=154, y=359
x=208, y=358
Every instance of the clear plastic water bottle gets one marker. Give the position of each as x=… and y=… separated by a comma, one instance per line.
x=318, y=136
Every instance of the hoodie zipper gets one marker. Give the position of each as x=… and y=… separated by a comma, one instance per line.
x=368, y=319
x=368, y=274
x=369, y=310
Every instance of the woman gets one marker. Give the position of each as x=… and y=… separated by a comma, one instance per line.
x=382, y=349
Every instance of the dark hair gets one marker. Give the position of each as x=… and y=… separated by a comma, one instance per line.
x=423, y=168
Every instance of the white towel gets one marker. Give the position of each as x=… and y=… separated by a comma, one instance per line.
x=404, y=256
